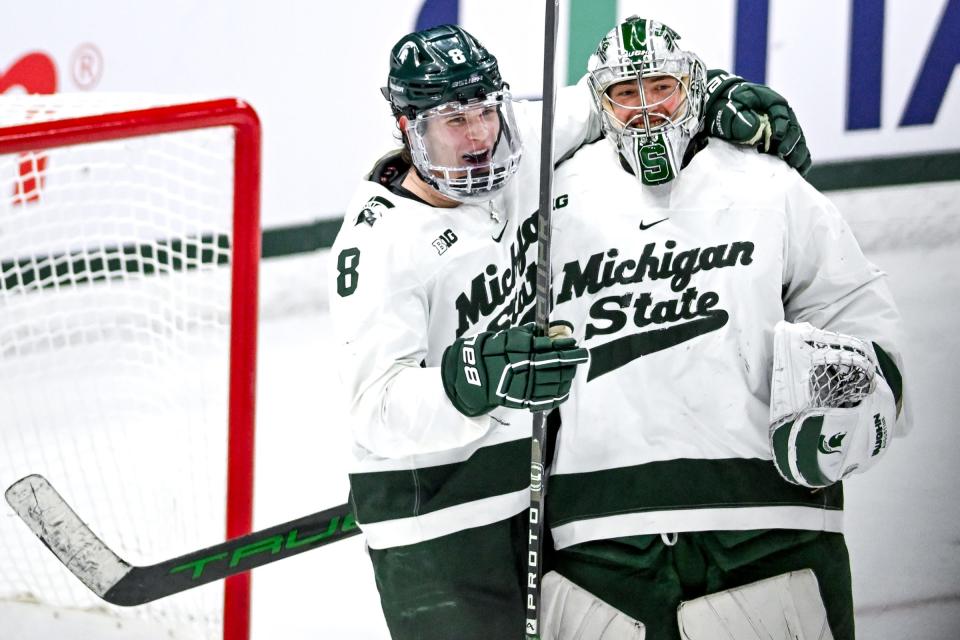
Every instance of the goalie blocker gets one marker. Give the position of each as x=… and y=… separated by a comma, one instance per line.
x=831, y=407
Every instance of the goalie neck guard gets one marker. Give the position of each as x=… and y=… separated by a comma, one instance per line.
x=460, y=129
x=649, y=94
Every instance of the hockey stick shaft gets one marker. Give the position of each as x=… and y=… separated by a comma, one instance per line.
x=538, y=443
x=63, y=532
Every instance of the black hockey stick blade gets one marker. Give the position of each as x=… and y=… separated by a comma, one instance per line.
x=109, y=576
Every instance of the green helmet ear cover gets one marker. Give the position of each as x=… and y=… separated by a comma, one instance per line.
x=438, y=65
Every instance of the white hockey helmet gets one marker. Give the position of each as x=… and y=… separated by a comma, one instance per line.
x=649, y=94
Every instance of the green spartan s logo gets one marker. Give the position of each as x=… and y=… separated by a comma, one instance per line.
x=654, y=162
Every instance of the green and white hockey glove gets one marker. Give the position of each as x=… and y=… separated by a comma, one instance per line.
x=511, y=368
x=831, y=410
x=747, y=113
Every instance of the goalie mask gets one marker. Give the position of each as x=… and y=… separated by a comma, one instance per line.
x=649, y=94
x=460, y=132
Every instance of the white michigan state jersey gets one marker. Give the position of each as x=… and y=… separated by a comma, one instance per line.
x=408, y=279
x=675, y=291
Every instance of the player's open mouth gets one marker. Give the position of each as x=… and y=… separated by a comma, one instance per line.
x=477, y=157
x=656, y=122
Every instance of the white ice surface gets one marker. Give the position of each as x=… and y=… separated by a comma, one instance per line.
x=302, y=448
x=902, y=518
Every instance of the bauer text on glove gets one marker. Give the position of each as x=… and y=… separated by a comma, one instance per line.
x=510, y=368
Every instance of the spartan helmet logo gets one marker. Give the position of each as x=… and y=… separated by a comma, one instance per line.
x=635, y=36
x=405, y=51
x=602, y=49
x=669, y=36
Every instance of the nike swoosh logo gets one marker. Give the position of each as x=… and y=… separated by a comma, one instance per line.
x=497, y=237
x=612, y=355
x=644, y=227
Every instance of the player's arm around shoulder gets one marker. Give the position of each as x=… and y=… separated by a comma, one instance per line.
x=756, y=116
x=575, y=119
x=575, y=122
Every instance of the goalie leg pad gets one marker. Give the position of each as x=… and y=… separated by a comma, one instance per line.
x=573, y=613
x=785, y=607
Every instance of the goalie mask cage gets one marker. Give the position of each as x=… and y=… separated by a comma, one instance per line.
x=127, y=368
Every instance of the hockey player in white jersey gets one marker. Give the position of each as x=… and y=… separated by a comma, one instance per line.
x=433, y=273
x=694, y=457
x=434, y=276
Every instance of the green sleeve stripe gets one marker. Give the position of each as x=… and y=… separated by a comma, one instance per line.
x=891, y=373
x=679, y=484
x=808, y=440
x=491, y=471
x=781, y=450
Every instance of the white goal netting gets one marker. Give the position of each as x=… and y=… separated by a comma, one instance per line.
x=115, y=314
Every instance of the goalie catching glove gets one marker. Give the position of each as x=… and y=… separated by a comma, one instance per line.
x=512, y=368
x=754, y=114
x=831, y=410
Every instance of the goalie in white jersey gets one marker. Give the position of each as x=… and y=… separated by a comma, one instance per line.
x=433, y=266
x=678, y=473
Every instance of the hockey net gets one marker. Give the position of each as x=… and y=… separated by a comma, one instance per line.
x=126, y=365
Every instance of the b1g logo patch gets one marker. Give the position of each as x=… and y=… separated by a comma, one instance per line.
x=444, y=242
